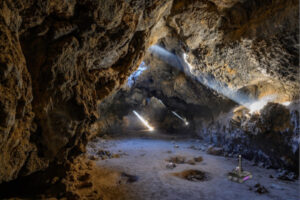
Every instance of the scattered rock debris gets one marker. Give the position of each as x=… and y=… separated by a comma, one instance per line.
x=79, y=179
x=177, y=159
x=286, y=175
x=127, y=178
x=192, y=175
x=103, y=155
x=191, y=162
x=217, y=151
x=270, y=176
x=170, y=165
x=182, y=160
x=198, y=159
x=260, y=189
x=93, y=157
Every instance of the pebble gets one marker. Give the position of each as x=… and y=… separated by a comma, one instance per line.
x=170, y=165
x=217, y=151
x=286, y=176
x=260, y=189
x=270, y=176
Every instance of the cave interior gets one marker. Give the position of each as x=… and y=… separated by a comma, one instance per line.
x=149, y=99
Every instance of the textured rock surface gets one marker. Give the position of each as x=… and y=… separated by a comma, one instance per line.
x=15, y=105
x=241, y=43
x=253, y=47
x=247, y=46
x=58, y=59
x=270, y=139
x=155, y=91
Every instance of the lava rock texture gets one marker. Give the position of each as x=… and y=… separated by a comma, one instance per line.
x=249, y=46
x=242, y=42
x=60, y=58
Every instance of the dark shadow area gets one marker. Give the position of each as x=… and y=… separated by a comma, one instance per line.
x=44, y=184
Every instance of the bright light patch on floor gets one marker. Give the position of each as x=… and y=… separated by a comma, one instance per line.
x=143, y=121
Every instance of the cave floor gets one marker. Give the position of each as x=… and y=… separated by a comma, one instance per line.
x=145, y=157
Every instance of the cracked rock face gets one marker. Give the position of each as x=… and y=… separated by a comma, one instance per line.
x=242, y=42
x=252, y=47
x=58, y=60
x=270, y=139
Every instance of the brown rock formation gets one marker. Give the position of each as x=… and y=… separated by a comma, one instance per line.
x=58, y=59
x=242, y=42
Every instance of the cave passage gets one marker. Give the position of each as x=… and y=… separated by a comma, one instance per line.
x=149, y=100
x=170, y=148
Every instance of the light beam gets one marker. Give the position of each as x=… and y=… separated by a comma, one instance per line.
x=217, y=86
x=165, y=56
x=258, y=105
x=182, y=63
x=144, y=121
x=181, y=118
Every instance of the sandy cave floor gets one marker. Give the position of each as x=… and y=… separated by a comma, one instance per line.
x=145, y=159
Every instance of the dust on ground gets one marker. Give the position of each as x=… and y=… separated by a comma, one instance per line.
x=148, y=159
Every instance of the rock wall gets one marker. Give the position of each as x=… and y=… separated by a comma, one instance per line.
x=58, y=60
x=242, y=42
x=270, y=139
x=250, y=47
